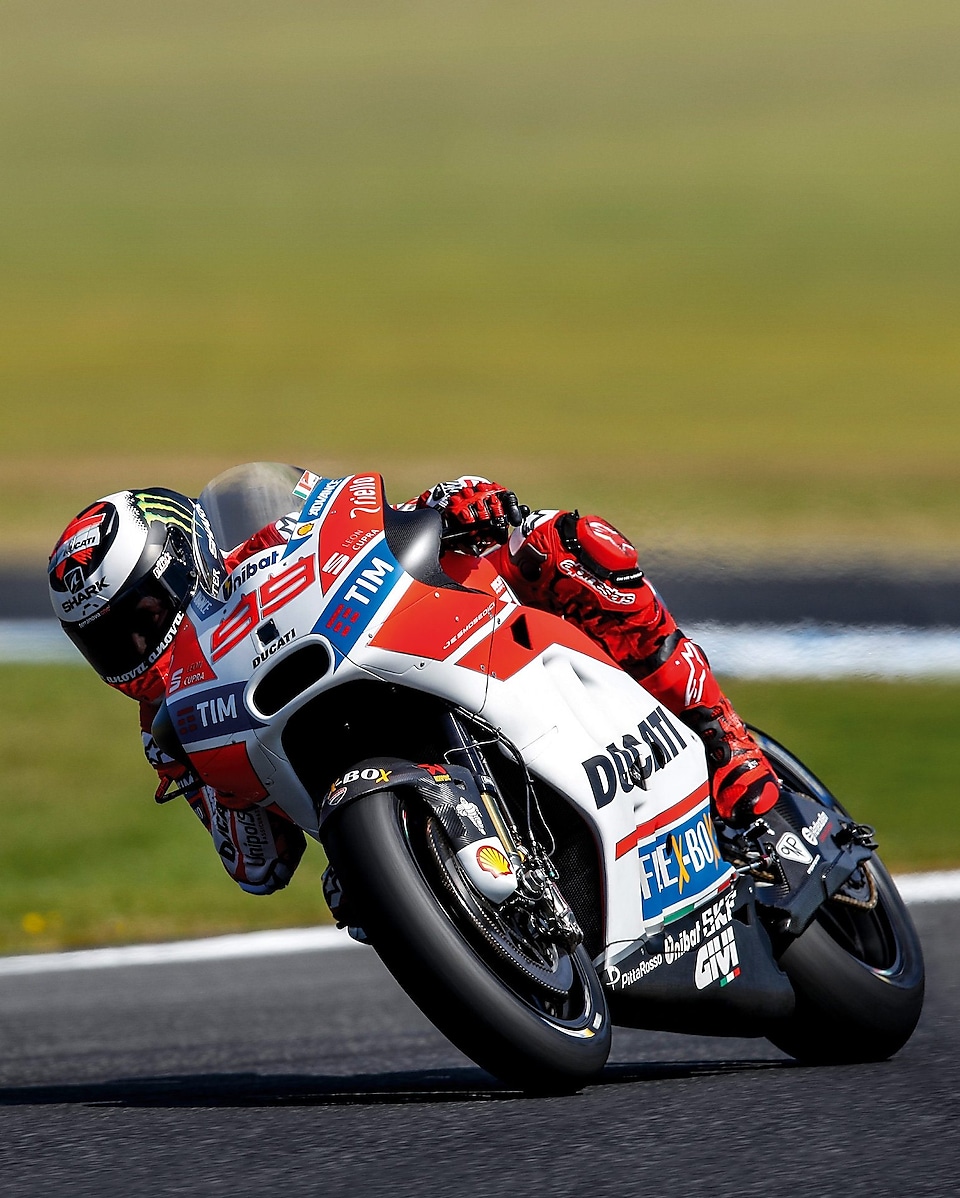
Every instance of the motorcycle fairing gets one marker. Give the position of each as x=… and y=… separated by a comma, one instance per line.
x=566, y=711
x=437, y=624
x=354, y=602
x=320, y=498
x=552, y=692
x=266, y=621
x=711, y=971
x=680, y=859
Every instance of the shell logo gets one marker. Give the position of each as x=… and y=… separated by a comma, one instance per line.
x=493, y=861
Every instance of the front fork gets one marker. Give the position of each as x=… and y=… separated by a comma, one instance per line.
x=537, y=877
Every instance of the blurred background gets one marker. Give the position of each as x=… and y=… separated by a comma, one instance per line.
x=692, y=265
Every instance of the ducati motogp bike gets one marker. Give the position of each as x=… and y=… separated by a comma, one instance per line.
x=521, y=831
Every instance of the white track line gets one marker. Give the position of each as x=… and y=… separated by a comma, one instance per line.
x=941, y=886
x=216, y=948
x=830, y=651
x=736, y=650
x=938, y=887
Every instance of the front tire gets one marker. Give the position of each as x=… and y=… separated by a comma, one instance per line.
x=858, y=968
x=534, y=1016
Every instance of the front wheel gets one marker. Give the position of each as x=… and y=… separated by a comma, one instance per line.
x=524, y=1007
x=858, y=968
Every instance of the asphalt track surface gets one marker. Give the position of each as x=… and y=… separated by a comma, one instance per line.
x=313, y=1074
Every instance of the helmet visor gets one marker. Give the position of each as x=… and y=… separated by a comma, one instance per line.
x=128, y=636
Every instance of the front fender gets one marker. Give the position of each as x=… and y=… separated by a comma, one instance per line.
x=452, y=795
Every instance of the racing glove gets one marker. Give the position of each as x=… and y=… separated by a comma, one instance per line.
x=175, y=778
x=259, y=849
x=474, y=509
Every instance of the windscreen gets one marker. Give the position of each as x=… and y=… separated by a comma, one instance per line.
x=235, y=505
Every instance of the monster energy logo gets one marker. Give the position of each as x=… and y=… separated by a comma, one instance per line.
x=165, y=506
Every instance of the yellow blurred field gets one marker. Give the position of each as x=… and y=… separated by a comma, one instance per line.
x=694, y=264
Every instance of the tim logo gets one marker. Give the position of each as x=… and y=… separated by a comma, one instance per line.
x=342, y=620
x=368, y=582
x=207, y=714
x=219, y=714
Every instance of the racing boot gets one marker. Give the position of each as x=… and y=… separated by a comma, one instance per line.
x=742, y=780
x=582, y=568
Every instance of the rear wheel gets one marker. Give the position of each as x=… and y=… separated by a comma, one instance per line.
x=517, y=1000
x=858, y=968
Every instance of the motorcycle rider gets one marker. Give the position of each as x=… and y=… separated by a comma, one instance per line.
x=121, y=577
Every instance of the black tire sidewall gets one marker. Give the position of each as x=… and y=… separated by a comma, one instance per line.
x=847, y=1011
x=440, y=970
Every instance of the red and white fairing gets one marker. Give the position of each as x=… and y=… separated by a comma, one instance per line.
x=581, y=724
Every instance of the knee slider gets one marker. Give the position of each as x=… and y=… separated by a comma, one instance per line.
x=600, y=548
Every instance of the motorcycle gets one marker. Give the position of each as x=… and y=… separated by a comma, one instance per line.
x=521, y=831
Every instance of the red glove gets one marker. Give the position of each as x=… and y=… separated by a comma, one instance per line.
x=175, y=778
x=475, y=508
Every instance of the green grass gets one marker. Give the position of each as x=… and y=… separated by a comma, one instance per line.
x=886, y=750
x=685, y=262
x=88, y=858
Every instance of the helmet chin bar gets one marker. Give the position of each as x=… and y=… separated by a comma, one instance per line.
x=152, y=659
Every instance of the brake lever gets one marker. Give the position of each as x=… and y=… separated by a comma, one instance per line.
x=514, y=511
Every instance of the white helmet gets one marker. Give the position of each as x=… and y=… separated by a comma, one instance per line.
x=121, y=577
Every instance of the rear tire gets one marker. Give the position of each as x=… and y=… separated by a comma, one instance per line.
x=858, y=972
x=859, y=980
x=536, y=1019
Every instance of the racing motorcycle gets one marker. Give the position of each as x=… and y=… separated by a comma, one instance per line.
x=521, y=831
